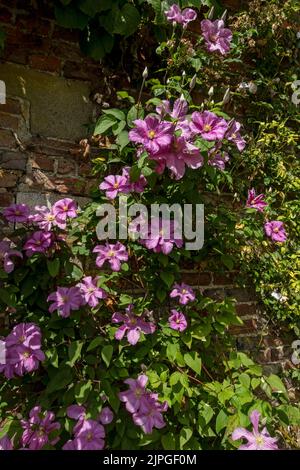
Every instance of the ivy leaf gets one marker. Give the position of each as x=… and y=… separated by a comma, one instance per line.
x=53, y=267
x=106, y=354
x=92, y=7
x=193, y=361
x=74, y=352
x=104, y=123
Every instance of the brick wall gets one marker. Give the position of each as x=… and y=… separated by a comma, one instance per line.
x=49, y=85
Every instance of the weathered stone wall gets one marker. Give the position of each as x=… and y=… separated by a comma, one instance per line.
x=49, y=84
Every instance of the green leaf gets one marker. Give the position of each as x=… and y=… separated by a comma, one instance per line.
x=135, y=112
x=127, y=20
x=117, y=113
x=184, y=436
x=193, y=361
x=168, y=278
x=221, y=421
x=74, y=352
x=135, y=173
x=82, y=391
x=96, y=43
x=122, y=140
x=172, y=351
x=104, y=123
x=276, y=384
x=92, y=7
x=95, y=343
x=60, y=380
x=168, y=441
x=106, y=354
x=8, y=297
x=228, y=261
x=70, y=17
x=53, y=267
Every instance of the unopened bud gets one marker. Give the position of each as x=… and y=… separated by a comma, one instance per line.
x=193, y=82
x=211, y=13
x=183, y=73
x=226, y=97
x=252, y=88
x=224, y=16
x=145, y=73
x=211, y=91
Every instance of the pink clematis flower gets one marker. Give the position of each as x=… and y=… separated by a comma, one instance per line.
x=23, y=350
x=217, y=158
x=113, y=185
x=106, y=416
x=178, y=111
x=150, y=415
x=177, y=321
x=132, y=326
x=6, y=253
x=5, y=443
x=39, y=242
x=256, y=201
x=256, y=440
x=179, y=155
x=276, y=231
x=90, y=436
x=135, y=186
x=113, y=254
x=38, y=429
x=233, y=135
x=46, y=219
x=17, y=213
x=217, y=38
x=174, y=14
x=161, y=236
x=91, y=293
x=208, y=125
x=152, y=133
x=65, y=300
x=184, y=292
x=188, y=15
x=64, y=209
x=136, y=396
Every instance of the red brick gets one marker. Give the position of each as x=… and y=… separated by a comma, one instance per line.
x=246, y=309
x=45, y=63
x=34, y=25
x=216, y=294
x=224, y=279
x=8, y=179
x=66, y=167
x=11, y=106
x=6, y=199
x=73, y=70
x=7, y=139
x=242, y=295
x=8, y=121
x=64, y=34
x=67, y=51
x=196, y=279
x=42, y=162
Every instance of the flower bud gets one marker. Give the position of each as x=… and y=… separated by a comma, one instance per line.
x=145, y=73
x=223, y=17
x=226, y=97
x=193, y=82
x=211, y=13
x=211, y=91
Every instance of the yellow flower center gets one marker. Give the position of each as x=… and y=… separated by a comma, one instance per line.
x=22, y=339
x=259, y=440
x=89, y=437
x=184, y=291
x=116, y=185
x=26, y=354
x=233, y=136
x=276, y=230
x=65, y=208
x=111, y=253
x=207, y=127
x=18, y=212
x=151, y=134
x=50, y=217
